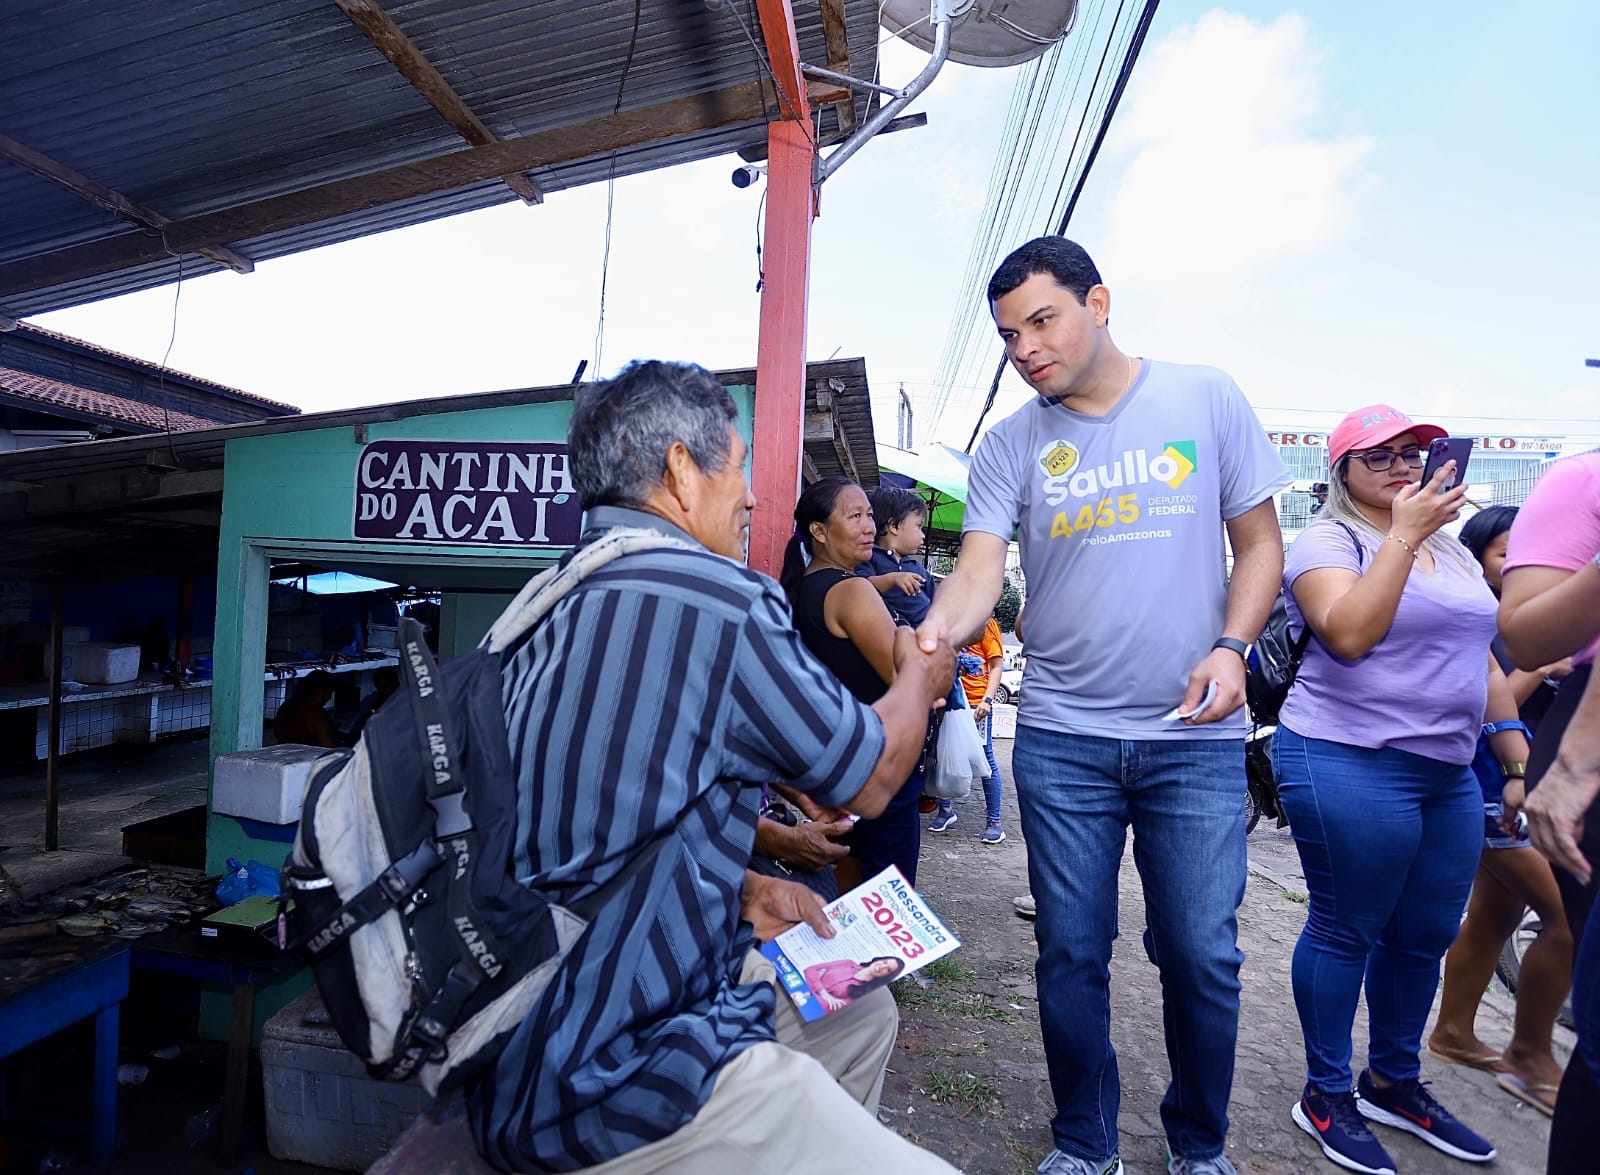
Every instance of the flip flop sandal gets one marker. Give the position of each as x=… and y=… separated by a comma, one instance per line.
x=1486, y=1061
x=1530, y=1093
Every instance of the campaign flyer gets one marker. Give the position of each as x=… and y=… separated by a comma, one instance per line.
x=883, y=931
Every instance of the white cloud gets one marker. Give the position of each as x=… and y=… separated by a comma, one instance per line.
x=1227, y=174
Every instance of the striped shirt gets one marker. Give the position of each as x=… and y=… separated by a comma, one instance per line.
x=648, y=708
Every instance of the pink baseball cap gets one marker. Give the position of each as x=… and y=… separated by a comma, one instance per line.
x=1373, y=425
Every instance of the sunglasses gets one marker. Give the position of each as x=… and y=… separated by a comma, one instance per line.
x=1380, y=460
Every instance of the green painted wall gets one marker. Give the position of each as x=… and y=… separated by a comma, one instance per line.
x=292, y=495
x=465, y=616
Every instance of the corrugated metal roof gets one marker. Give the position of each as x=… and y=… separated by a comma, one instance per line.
x=190, y=109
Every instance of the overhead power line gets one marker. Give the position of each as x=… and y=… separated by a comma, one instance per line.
x=1129, y=59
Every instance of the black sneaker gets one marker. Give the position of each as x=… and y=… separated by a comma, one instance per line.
x=1332, y=1119
x=1408, y=1106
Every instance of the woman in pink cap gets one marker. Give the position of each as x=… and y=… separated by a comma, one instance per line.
x=1373, y=755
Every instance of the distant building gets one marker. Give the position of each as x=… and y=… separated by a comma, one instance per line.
x=55, y=389
x=1503, y=469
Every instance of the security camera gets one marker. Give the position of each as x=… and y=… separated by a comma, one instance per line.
x=743, y=177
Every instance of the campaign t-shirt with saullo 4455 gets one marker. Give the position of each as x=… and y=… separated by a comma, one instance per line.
x=1120, y=519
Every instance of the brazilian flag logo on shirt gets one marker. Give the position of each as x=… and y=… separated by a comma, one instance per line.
x=1183, y=462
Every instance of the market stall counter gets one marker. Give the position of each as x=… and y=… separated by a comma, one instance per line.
x=49, y=989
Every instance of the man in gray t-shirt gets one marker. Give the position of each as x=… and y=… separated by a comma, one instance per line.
x=1119, y=482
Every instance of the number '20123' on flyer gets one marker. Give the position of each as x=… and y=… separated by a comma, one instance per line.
x=883, y=931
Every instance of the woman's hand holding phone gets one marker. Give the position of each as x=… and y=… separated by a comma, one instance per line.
x=1454, y=451
x=1419, y=510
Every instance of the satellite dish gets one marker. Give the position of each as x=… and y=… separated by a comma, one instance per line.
x=985, y=32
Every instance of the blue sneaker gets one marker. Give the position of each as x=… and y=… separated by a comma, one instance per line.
x=992, y=834
x=1058, y=1162
x=1333, y=1120
x=943, y=821
x=1408, y=1106
x=1215, y=1165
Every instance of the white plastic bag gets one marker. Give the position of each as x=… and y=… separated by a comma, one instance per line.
x=959, y=759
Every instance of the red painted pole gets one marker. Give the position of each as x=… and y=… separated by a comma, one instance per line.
x=783, y=55
x=786, y=265
x=781, y=346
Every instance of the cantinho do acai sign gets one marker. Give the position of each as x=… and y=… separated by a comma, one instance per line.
x=494, y=493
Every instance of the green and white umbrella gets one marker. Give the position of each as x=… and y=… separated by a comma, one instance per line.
x=937, y=474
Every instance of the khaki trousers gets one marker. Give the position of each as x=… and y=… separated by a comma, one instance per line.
x=808, y=1103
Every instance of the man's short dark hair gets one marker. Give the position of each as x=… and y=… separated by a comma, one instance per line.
x=621, y=430
x=1064, y=260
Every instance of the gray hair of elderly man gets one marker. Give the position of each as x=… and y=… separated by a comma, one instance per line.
x=621, y=429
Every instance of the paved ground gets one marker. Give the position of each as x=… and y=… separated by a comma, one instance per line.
x=969, y=1078
x=100, y=792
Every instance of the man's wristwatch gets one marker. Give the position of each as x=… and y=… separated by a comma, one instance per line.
x=1234, y=645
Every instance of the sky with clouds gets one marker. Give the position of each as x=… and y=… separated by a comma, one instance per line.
x=1338, y=204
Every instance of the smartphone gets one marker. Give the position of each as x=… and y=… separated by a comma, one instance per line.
x=1456, y=449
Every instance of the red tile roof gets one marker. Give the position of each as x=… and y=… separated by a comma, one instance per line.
x=21, y=385
x=30, y=328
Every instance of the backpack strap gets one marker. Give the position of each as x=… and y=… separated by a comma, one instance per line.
x=424, y=1031
x=1355, y=540
x=423, y=1034
x=541, y=593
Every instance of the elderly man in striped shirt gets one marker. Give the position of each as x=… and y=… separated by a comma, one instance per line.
x=644, y=715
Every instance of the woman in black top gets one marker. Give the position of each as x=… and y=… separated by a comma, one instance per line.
x=843, y=621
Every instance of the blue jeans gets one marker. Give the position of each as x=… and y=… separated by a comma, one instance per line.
x=1389, y=842
x=1185, y=801
x=991, y=784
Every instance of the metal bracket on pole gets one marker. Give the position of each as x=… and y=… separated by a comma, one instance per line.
x=844, y=79
x=939, y=16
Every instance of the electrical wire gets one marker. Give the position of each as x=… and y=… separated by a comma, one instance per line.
x=166, y=356
x=1034, y=157
x=611, y=190
x=1028, y=153
x=172, y=339
x=761, y=212
x=766, y=64
x=1129, y=58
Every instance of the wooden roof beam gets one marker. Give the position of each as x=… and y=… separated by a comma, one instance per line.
x=838, y=41
x=113, y=202
x=379, y=28
x=744, y=103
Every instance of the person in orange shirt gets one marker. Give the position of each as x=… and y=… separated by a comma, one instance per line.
x=978, y=665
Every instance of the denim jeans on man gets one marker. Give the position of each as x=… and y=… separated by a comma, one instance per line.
x=1389, y=842
x=1185, y=801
